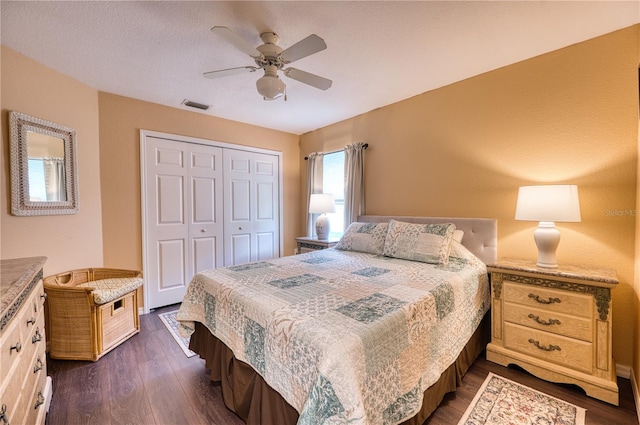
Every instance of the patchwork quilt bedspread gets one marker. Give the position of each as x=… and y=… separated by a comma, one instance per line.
x=344, y=337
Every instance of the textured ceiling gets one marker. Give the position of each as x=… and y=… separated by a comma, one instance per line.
x=378, y=52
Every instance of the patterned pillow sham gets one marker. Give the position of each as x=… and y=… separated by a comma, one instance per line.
x=427, y=243
x=364, y=237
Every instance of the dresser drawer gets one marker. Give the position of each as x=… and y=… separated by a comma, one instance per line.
x=560, y=350
x=549, y=321
x=12, y=344
x=32, y=328
x=36, y=367
x=11, y=399
x=35, y=404
x=566, y=302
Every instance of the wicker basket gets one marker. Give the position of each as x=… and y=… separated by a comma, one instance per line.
x=77, y=327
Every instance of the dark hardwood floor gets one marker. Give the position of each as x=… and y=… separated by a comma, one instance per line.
x=148, y=380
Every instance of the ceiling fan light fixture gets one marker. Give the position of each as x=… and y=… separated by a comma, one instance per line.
x=270, y=87
x=272, y=58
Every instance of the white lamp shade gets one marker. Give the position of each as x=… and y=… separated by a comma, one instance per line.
x=548, y=203
x=322, y=203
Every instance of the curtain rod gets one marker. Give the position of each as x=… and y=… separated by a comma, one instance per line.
x=366, y=145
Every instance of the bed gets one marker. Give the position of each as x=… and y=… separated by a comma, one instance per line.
x=370, y=332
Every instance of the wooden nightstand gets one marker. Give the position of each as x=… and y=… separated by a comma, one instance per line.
x=312, y=244
x=555, y=323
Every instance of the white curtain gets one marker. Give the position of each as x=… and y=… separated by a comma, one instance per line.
x=353, y=182
x=54, y=179
x=314, y=185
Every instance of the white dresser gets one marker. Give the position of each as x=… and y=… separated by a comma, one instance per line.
x=555, y=323
x=25, y=388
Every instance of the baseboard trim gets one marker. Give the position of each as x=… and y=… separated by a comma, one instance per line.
x=140, y=311
x=623, y=371
x=636, y=393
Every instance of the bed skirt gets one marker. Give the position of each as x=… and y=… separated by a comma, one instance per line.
x=250, y=397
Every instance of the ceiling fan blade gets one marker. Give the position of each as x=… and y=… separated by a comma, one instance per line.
x=303, y=48
x=308, y=78
x=229, y=71
x=237, y=41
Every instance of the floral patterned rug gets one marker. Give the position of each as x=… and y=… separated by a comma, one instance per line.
x=503, y=402
x=169, y=320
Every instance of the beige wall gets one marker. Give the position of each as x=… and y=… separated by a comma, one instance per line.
x=570, y=116
x=121, y=119
x=636, y=341
x=69, y=241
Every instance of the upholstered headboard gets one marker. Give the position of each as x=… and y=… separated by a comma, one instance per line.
x=480, y=234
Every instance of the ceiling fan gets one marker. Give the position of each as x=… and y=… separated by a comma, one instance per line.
x=272, y=58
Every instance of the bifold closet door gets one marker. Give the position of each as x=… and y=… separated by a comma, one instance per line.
x=184, y=216
x=251, y=206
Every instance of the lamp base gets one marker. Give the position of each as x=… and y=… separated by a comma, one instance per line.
x=322, y=226
x=547, y=238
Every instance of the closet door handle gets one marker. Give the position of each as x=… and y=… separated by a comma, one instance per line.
x=203, y=230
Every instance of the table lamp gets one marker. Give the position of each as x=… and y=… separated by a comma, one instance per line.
x=322, y=203
x=548, y=204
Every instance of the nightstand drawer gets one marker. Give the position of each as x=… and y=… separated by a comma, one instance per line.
x=549, y=321
x=306, y=244
x=549, y=299
x=560, y=350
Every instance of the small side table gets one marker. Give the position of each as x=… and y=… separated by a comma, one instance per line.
x=306, y=244
x=555, y=323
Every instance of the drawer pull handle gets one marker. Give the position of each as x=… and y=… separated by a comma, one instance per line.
x=31, y=321
x=541, y=301
x=43, y=295
x=39, y=365
x=37, y=337
x=551, y=347
x=542, y=322
x=39, y=400
x=3, y=414
x=16, y=347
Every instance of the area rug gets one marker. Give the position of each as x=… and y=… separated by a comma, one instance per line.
x=169, y=320
x=503, y=402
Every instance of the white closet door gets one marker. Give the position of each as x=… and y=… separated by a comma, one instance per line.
x=206, y=224
x=183, y=226
x=251, y=206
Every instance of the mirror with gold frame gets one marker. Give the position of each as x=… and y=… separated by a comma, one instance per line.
x=43, y=167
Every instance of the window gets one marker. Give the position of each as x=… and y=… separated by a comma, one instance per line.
x=333, y=182
x=37, y=184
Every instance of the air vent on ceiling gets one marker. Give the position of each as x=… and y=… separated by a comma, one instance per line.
x=196, y=105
